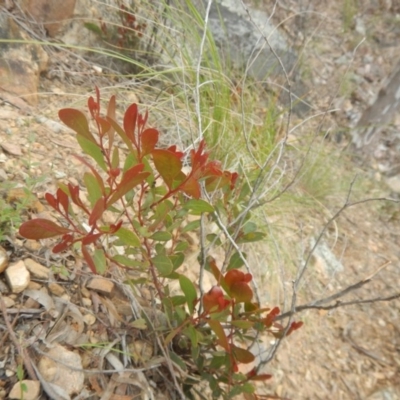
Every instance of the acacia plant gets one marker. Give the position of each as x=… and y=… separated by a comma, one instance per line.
x=157, y=195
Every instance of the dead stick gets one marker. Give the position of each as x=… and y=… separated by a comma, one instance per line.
x=21, y=351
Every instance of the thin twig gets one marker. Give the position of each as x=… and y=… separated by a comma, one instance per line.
x=21, y=350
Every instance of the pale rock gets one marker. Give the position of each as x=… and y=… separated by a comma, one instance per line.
x=56, y=289
x=37, y=270
x=3, y=259
x=32, y=245
x=32, y=390
x=34, y=286
x=3, y=175
x=101, y=285
x=394, y=183
x=86, y=302
x=17, y=277
x=89, y=319
x=12, y=148
x=9, y=302
x=54, y=371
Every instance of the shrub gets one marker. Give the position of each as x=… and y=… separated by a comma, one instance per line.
x=157, y=195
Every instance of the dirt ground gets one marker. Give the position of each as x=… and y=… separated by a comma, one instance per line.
x=349, y=352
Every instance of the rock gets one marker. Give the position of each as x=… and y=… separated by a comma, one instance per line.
x=20, y=64
x=325, y=259
x=31, y=393
x=3, y=287
x=52, y=14
x=394, y=183
x=101, y=285
x=56, y=289
x=9, y=302
x=54, y=372
x=3, y=259
x=89, y=319
x=240, y=38
x=3, y=175
x=17, y=277
x=12, y=149
x=36, y=270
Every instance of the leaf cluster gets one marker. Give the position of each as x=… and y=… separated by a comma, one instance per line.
x=157, y=195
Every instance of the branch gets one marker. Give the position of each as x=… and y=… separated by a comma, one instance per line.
x=321, y=304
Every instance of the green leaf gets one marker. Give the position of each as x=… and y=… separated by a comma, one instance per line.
x=236, y=261
x=250, y=237
x=93, y=188
x=115, y=158
x=198, y=206
x=249, y=227
x=192, y=334
x=177, y=259
x=163, y=264
x=241, y=291
x=242, y=324
x=128, y=237
x=93, y=28
x=128, y=262
x=93, y=150
x=100, y=261
x=161, y=236
x=167, y=164
x=191, y=226
x=177, y=360
x=242, y=355
x=139, y=324
x=220, y=333
x=178, y=300
x=181, y=246
x=189, y=291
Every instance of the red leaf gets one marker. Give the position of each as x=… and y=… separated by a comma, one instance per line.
x=149, y=139
x=168, y=165
x=76, y=120
x=192, y=188
x=40, y=228
x=104, y=125
x=74, y=193
x=294, y=326
x=111, y=115
x=91, y=238
x=131, y=178
x=215, y=271
x=66, y=241
x=88, y=258
x=269, y=319
x=261, y=377
x=214, y=301
x=62, y=199
x=130, y=119
x=97, y=211
x=235, y=276
x=51, y=200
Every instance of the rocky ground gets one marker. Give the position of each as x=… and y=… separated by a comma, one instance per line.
x=344, y=353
